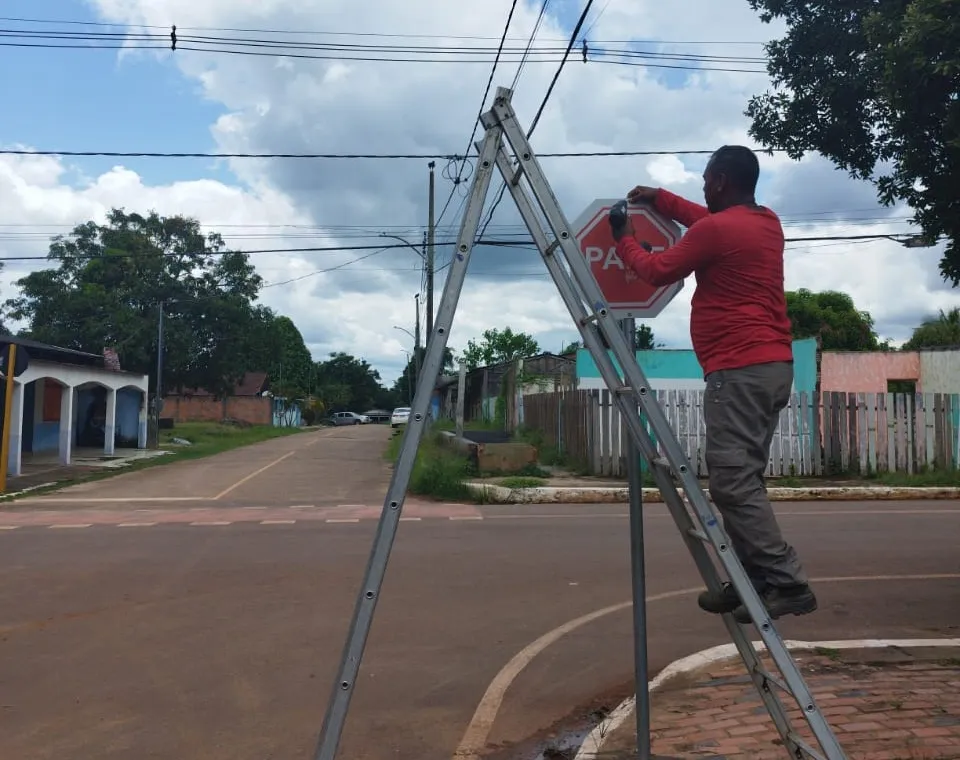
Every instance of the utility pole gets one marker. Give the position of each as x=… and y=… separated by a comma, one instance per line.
x=461, y=392
x=430, y=259
x=158, y=397
x=416, y=335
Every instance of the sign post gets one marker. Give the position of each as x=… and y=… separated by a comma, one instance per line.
x=629, y=298
x=12, y=364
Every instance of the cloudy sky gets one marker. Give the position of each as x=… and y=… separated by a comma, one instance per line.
x=204, y=98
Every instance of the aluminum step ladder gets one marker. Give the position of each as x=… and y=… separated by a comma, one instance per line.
x=691, y=510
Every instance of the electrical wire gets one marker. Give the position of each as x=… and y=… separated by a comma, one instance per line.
x=522, y=243
x=356, y=156
x=483, y=100
x=543, y=104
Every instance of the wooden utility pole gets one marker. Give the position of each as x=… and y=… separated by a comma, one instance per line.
x=461, y=392
x=7, y=414
x=430, y=257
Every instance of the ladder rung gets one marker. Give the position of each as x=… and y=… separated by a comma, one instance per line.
x=811, y=752
x=774, y=680
x=589, y=318
x=661, y=462
x=699, y=534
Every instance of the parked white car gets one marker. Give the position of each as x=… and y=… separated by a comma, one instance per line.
x=400, y=416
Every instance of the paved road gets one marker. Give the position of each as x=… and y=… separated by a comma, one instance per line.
x=220, y=639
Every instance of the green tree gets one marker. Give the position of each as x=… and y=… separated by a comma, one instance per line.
x=277, y=347
x=346, y=383
x=108, y=283
x=499, y=346
x=834, y=317
x=937, y=332
x=873, y=85
x=644, y=340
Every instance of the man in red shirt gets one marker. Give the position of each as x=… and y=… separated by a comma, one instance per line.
x=741, y=335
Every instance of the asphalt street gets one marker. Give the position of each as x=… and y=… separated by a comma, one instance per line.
x=127, y=633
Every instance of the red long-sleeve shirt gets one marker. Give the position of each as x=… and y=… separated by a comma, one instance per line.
x=739, y=310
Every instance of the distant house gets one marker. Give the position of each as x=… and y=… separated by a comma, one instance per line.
x=496, y=391
x=249, y=401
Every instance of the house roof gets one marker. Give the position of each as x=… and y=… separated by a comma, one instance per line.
x=46, y=352
x=251, y=384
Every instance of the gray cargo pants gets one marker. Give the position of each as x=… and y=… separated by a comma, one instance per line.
x=742, y=410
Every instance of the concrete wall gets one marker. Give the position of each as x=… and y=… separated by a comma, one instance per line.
x=678, y=369
x=940, y=371
x=254, y=410
x=867, y=371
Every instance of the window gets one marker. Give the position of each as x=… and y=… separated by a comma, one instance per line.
x=52, y=392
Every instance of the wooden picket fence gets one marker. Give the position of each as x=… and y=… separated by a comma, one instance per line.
x=827, y=434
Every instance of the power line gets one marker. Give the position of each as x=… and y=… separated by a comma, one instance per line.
x=521, y=243
x=355, y=156
x=392, y=35
x=483, y=100
x=543, y=104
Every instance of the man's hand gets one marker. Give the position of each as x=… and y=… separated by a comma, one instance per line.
x=643, y=194
x=620, y=224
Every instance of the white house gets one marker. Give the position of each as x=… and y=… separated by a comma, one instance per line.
x=68, y=399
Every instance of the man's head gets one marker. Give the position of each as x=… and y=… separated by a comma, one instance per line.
x=730, y=177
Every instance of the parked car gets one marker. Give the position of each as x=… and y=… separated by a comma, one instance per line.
x=349, y=418
x=400, y=416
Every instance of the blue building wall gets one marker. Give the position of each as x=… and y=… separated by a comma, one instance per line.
x=39, y=436
x=678, y=369
x=290, y=417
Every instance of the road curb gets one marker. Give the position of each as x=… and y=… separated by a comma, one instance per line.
x=613, y=495
x=593, y=743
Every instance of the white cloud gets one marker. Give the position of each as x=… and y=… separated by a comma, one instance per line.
x=329, y=106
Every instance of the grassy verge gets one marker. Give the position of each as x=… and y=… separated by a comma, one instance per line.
x=209, y=438
x=438, y=472
x=206, y=439
x=519, y=481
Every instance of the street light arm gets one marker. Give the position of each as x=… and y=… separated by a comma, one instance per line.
x=404, y=241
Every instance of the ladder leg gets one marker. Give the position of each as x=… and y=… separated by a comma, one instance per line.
x=635, y=384
x=362, y=620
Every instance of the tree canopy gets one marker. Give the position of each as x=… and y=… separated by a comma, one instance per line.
x=346, y=383
x=643, y=340
x=498, y=346
x=107, y=285
x=873, y=86
x=942, y=331
x=406, y=385
x=834, y=317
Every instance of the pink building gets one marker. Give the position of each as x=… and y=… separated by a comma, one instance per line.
x=868, y=371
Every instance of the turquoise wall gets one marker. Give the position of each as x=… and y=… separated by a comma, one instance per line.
x=679, y=368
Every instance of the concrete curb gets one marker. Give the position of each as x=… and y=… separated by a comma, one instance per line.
x=593, y=743
x=614, y=495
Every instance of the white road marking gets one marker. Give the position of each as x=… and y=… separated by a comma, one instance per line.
x=278, y=522
x=252, y=475
x=211, y=522
x=343, y=520
x=136, y=525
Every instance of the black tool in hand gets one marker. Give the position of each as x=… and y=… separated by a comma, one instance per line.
x=619, y=217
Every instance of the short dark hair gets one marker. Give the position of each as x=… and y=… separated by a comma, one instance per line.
x=739, y=164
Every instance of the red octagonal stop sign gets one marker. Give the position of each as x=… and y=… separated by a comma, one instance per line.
x=627, y=295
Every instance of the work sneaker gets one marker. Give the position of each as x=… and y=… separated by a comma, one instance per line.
x=719, y=602
x=780, y=601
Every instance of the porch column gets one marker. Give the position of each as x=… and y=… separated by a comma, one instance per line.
x=110, y=423
x=66, y=424
x=16, y=431
x=142, y=423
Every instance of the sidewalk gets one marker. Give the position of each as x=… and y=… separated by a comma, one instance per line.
x=597, y=491
x=883, y=704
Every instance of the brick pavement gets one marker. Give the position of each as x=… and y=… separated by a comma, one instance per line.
x=887, y=704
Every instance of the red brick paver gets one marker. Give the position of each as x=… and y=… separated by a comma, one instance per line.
x=882, y=705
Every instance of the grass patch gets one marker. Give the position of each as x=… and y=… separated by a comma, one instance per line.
x=209, y=438
x=519, y=481
x=438, y=471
